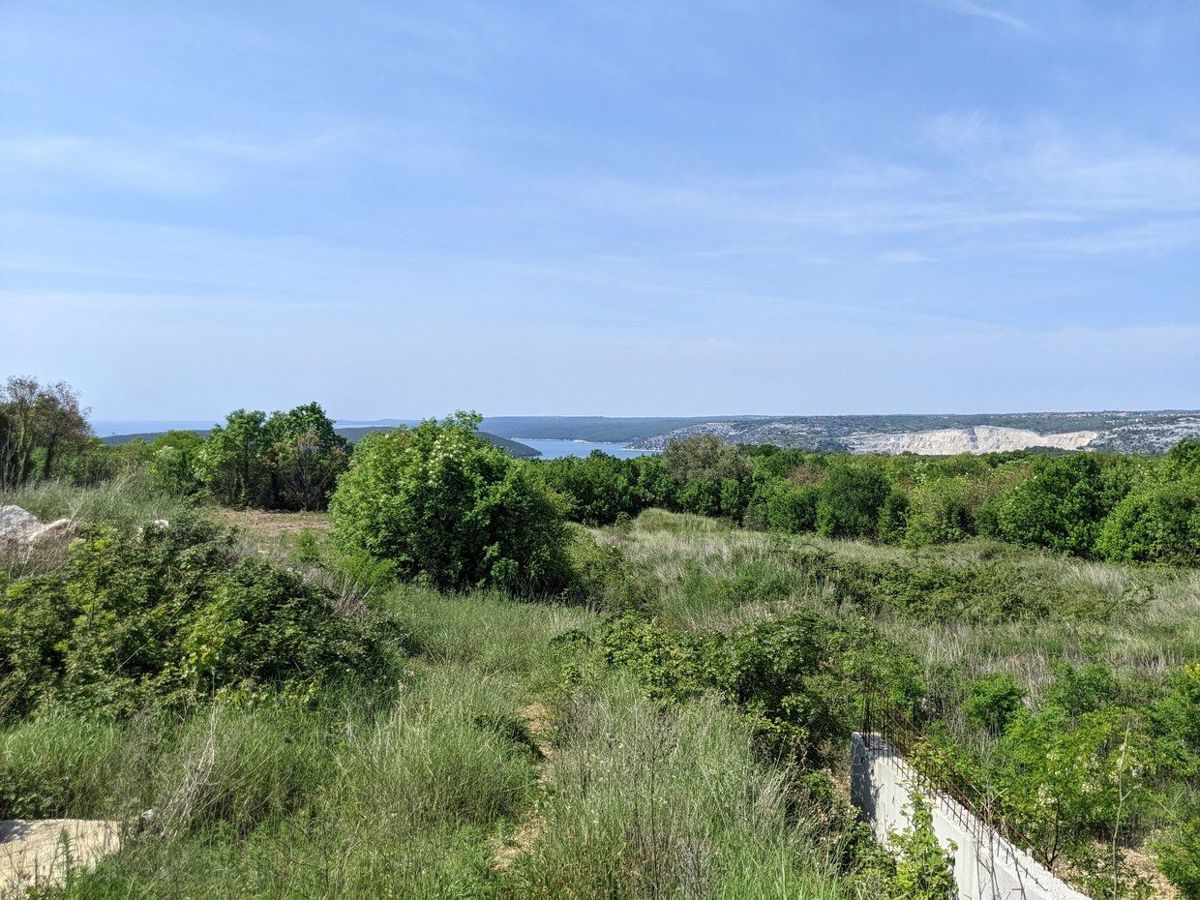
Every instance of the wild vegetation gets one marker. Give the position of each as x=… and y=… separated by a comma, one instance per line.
x=480, y=676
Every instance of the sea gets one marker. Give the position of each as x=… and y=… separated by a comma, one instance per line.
x=556, y=449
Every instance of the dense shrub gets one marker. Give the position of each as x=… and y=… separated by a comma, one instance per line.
x=600, y=488
x=850, y=500
x=289, y=460
x=1179, y=856
x=939, y=512
x=172, y=459
x=1064, y=782
x=712, y=477
x=168, y=617
x=451, y=509
x=935, y=591
x=993, y=700
x=893, y=516
x=786, y=506
x=1161, y=524
x=801, y=679
x=1059, y=507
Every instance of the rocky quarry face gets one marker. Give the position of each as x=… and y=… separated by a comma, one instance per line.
x=978, y=439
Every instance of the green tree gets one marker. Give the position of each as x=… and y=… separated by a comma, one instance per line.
x=233, y=462
x=172, y=461
x=850, y=500
x=451, y=509
x=38, y=424
x=289, y=460
x=305, y=457
x=712, y=476
x=1060, y=506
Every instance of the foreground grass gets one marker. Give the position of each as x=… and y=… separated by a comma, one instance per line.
x=408, y=789
x=411, y=788
x=647, y=802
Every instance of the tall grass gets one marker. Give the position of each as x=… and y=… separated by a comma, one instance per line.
x=127, y=500
x=342, y=800
x=647, y=802
x=489, y=632
x=1138, y=620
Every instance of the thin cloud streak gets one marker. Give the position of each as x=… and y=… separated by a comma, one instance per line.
x=966, y=8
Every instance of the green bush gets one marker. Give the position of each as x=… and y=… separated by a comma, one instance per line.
x=850, y=500
x=1064, y=783
x=1060, y=507
x=993, y=700
x=800, y=679
x=782, y=505
x=170, y=616
x=602, y=577
x=289, y=460
x=1179, y=856
x=940, y=512
x=924, y=869
x=893, y=517
x=172, y=462
x=452, y=510
x=712, y=476
x=1161, y=524
x=934, y=591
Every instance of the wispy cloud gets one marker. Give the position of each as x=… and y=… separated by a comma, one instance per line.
x=966, y=8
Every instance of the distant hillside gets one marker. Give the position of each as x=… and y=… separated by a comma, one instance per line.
x=1128, y=432
x=601, y=429
x=515, y=448
x=519, y=450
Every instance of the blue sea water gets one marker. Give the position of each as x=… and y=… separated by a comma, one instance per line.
x=554, y=449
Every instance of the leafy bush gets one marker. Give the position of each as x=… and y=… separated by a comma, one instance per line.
x=993, y=700
x=1059, y=507
x=602, y=577
x=789, y=507
x=1065, y=783
x=1161, y=524
x=850, y=500
x=452, y=510
x=935, y=591
x=924, y=869
x=800, y=678
x=172, y=462
x=893, y=516
x=600, y=488
x=170, y=616
x=939, y=512
x=287, y=461
x=1179, y=856
x=712, y=476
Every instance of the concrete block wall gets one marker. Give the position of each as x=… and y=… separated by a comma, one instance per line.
x=986, y=865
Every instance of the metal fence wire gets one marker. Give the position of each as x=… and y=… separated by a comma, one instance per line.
x=885, y=727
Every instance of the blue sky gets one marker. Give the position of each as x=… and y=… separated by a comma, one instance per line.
x=400, y=209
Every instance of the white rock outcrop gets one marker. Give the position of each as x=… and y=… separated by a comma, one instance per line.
x=977, y=439
x=39, y=854
x=22, y=529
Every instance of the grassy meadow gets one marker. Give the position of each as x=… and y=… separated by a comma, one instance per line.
x=271, y=712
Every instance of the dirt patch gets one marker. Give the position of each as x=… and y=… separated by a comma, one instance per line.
x=40, y=854
x=265, y=524
x=537, y=719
